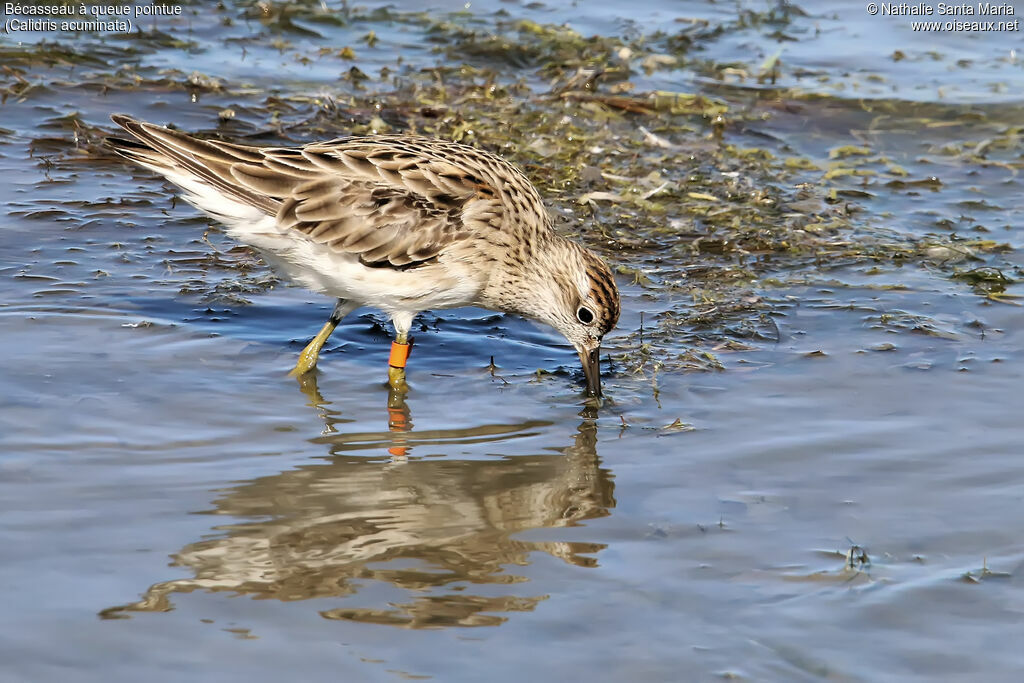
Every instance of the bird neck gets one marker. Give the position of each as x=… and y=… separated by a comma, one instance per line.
x=534, y=280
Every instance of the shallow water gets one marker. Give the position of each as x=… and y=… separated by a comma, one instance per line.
x=176, y=506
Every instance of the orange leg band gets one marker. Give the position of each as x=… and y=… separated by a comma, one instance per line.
x=399, y=354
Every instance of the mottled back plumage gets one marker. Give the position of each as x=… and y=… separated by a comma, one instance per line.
x=395, y=198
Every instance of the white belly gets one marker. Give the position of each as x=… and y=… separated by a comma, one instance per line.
x=321, y=269
x=446, y=284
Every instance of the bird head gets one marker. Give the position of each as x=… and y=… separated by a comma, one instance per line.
x=584, y=306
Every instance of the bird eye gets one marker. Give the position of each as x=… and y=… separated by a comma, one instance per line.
x=585, y=315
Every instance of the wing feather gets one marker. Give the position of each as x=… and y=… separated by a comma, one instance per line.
x=393, y=200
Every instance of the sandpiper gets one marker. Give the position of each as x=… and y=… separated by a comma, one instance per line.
x=400, y=223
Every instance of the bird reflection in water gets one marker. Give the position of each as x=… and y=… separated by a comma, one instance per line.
x=433, y=528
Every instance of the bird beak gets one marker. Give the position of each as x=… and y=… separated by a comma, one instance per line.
x=591, y=359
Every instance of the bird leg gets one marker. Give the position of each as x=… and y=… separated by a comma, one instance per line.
x=396, y=362
x=308, y=357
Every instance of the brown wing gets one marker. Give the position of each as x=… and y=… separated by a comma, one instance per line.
x=393, y=200
x=382, y=224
